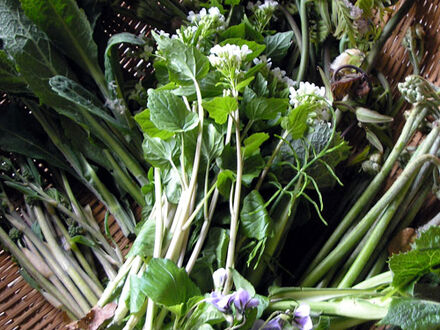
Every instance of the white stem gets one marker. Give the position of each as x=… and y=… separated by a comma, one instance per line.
x=159, y=221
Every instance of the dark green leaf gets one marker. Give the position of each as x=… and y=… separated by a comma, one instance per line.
x=67, y=26
x=220, y=107
x=244, y=83
x=168, y=112
x=296, y=120
x=262, y=108
x=225, y=179
x=158, y=152
x=147, y=126
x=254, y=218
x=217, y=245
x=251, y=32
x=408, y=267
x=205, y=313
x=252, y=167
x=168, y=285
x=212, y=145
x=144, y=244
x=10, y=80
x=235, y=31
x=77, y=94
x=278, y=44
x=256, y=48
x=253, y=143
x=413, y=314
x=260, y=86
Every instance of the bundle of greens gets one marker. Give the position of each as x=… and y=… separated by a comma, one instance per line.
x=235, y=157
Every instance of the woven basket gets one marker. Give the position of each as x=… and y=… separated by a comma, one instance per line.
x=22, y=307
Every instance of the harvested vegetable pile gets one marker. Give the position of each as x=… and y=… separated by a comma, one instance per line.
x=260, y=125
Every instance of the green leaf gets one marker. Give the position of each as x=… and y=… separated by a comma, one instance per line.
x=111, y=59
x=82, y=240
x=20, y=133
x=260, y=86
x=144, y=244
x=296, y=120
x=254, y=219
x=147, y=126
x=252, y=167
x=365, y=115
x=217, y=245
x=262, y=108
x=168, y=112
x=244, y=83
x=413, y=314
x=35, y=57
x=205, y=313
x=253, y=143
x=241, y=282
x=77, y=94
x=212, y=144
x=234, y=31
x=251, y=32
x=256, y=48
x=278, y=44
x=68, y=28
x=225, y=179
x=168, y=285
x=220, y=107
x=186, y=64
x=137, y=294
x=10, y=80
x=158, y=152
x=409, y=267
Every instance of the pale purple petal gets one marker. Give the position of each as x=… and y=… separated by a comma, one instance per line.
x=221, y=302
x=302, y=317
x=241, y=299
x=274, y=324
x=303, y=310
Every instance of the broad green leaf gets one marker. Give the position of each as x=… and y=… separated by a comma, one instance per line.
x=278, y=44
x=244, y=83
x=35, y=57
x=254, y=218
x=260, y=86
x=20, y=133
x=168, y=112
x=409, y=267
x=256, y=48
x=253, y=143
x=67, y=27
x=241, y=283
x=158, y=152
x=137, y=294
x=186, y=64
x=147, y=126
x=234, y=31
x=112, y=67
x=220, y=107
x=77, y=94
x=217, y=245
x=262, y=108
x=144, y=244
x=10, y=80
x=296, y=120
x=413, y=314
x=168, y=285
x=205, y=313
x=225, y=179
x=212, y=144
x=80, y=239
x=252, y=167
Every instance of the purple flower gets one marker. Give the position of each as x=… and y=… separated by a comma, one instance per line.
x=302, y=317
x=221, y=302
x=243, y=300
x=274, y=324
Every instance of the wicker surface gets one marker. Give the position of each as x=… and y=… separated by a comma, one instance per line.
x=22, y=307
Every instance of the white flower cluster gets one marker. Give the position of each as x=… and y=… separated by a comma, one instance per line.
x=263, y=59
x=268, y=5
x=281, y=76
x=228, y=57
x=305, y=92
x=211, y=17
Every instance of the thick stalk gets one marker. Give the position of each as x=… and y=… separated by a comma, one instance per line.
x=59, y=255
x=23, y=261
x=388, y=29
x=344, y=247
x=304, y=41
x=293, y=26
x=410, y=126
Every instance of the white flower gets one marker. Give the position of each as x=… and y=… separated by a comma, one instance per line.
x=219, y=277
x=269, y=5
x=350, y=56
x=263, y=59
x=278, y=73
x=305, y=92
x=228, y=55
x=162, y=33
x=192, y=16
x=211, y=18
x=289, y=82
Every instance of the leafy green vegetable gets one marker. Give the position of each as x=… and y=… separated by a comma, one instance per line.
x=147, y=126
x=168, y=285
x=10, y=81
x=253, y=143
x=262, y=108
x=255, y=220
x=296, y=120
x=158, y=152
x=278, y=44
x=168, y=112
x=413, y=314
x=144, y=244
x=409, y=267
x=220, y=107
